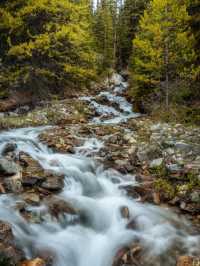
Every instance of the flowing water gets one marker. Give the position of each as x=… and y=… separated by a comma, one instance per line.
x=94, y=238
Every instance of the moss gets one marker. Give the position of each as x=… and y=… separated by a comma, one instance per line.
x=165, y=187
x=4, y=94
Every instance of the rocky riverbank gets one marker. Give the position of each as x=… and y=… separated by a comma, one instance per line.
x=160, y=160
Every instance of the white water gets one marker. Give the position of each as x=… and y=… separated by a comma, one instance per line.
x=109, y=114
x=99, y=231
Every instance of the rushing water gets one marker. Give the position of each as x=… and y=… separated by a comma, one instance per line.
x=94, y=238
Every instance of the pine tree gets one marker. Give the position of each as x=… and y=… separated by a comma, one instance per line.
x=104, y=30
x=129, y=15
x=47, y=44
x=194, y=11
x=162, y=49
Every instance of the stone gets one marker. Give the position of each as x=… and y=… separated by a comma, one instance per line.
x=34, y=262
x=58, y=206
x=6, y=234
x=125, y=212
x=9, y=147
x=183, y=147
x=188, y=261
x=53, y=183
x=156, y=163
x=195, y=196
x=31, y=198
x=8, y=168
x=9, y=253
x=174, y=168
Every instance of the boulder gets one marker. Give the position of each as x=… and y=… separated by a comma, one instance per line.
x=125, y=212
x=188, y=261
x=156, y=163
x=31, y=198
x=53, y=183
x=9, y=253
x=8, y=168
x=9, y=147
x=34, y=262
x=58, y=206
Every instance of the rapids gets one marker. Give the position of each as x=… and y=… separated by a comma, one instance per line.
x=95, y=237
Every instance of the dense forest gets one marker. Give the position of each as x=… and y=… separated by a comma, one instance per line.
x=52, y=46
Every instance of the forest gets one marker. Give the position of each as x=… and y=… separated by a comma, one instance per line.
x=50, y=46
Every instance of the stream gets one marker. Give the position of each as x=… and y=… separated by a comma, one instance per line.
x=95, y=192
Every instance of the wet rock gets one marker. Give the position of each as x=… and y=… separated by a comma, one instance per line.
x=53, y=183
x=8, y=168
x=128, y=256
x=34, y=262
x=13, y=183
x=6, y=234
x=125, y=212
x=31, y=197
x=58, y=206
x=9, y=253
x=9, y=147
x=188, y=261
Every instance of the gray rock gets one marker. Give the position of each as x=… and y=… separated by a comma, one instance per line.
x=183, y=147
x=195, y=196
x=174, y=168
x=156, y=163
x=9, y=147
x=8, y=167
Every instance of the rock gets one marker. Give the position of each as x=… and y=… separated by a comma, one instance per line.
x=2, y=115
x=9, y=147
x=34, y=262
x=53, y=183
x=6, y=234
x=58, y=206
x=188, y=261
x=183, y=147
x=148, y=153
x=174, y=168
x=8, y=168
x=195, y=196
x=156, y=127
x=125, y=212
x=31, y=198
x=9, y=253
x=156, y=163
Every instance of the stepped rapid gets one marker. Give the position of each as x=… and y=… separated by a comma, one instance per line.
x=94, y=238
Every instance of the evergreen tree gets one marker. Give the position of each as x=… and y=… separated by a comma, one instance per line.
x=46, y=44
x=104, y=30
x=129, y=15
x=162, y=49
x=194, y=11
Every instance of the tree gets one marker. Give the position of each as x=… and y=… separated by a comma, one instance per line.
x=129, y=15
x=162, y=49
x=194, y=11
x=104, y=28
x=47, y=44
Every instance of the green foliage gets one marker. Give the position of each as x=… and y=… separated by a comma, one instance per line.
x=128, y=21
x=104, y=28
x=163, y=49
x=164, y=186
x=47, y=44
